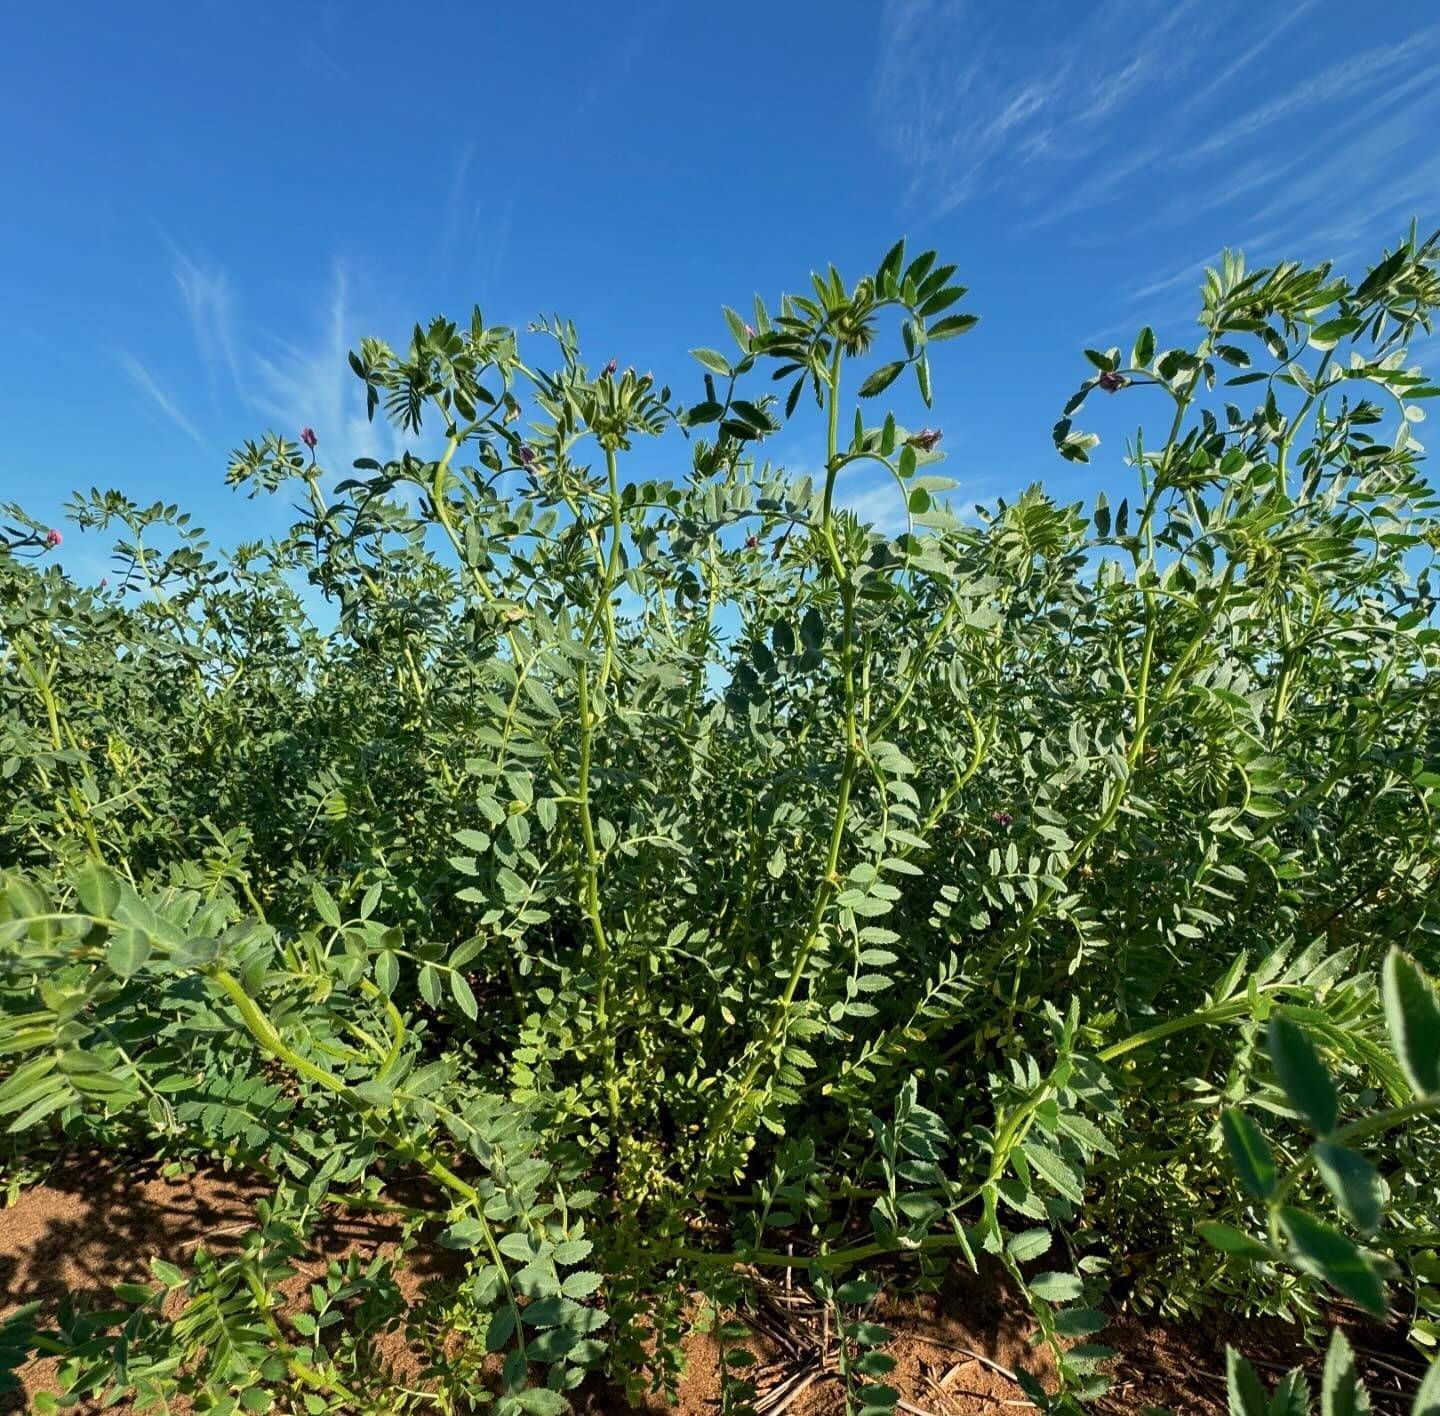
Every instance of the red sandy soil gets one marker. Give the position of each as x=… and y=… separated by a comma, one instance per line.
x=94, y=1223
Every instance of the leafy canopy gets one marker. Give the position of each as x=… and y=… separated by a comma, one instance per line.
x=683, y=879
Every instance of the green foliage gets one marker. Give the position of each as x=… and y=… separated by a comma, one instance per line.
x=670, y=879
x=1342, y=1393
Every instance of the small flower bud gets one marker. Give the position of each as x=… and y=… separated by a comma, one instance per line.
x=527, y=455
x=1002, y=818
x=749, y=331
x=612, y=366
x=53, y=538
x=1111, y=382
x=751, y=542
x=307, y=436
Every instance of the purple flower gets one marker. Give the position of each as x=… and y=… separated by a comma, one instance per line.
x=307, y=436
x=1112, y=382
x=1002, y=818
x=53, y=538
x=527, y=455
x=612, y=366
x=926, y=439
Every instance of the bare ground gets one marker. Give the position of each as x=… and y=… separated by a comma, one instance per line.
x=96, y=1222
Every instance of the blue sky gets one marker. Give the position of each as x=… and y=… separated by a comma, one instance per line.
x=207, y=204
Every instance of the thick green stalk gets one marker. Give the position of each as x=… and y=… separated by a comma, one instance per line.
x=602, y=618
x=260, y=1028
x=830, y=880
x=1375, y=1125
x=604, y=957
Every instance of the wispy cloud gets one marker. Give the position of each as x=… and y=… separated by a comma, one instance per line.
x=310, y=384
x=156, y=392
x=459, y=215
x=1248, y=55
x=1191, y=275
x=963, y=105
x=210, y=305
x=1153, y=112
x=475, y=236
x=1347, y=77
x=879, y=504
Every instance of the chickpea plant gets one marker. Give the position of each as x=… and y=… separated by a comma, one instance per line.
x=635, y=885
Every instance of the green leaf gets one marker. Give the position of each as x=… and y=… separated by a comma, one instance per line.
x=1028, y=1244
x=716, y=363
x=951, y=326
x=511, y=885
x=1353, y=1181
x=542, y=1401
x=1329, y=334
x=1383, y=273
x=1412, y=1015
x=1341, y=1391
x=375, y=1094
x=467, y=1233
x=1249, y=1153
x=501, y=1329
x=1246, y=1395
x=581, y=1283
x=1053, y=1168
x=890, y=266
x=97, y=888
x=1056, y=1287
x=325, y=905
x=463, y=995
x=1324, y=1251
x=1427, y=1399
x=1303, y=1075
x=881, y=379
x=517, y=1246
x=128, y=951
x=1230, y=1240
x=1144, y=350
x=387, y=972
x=1080, y=1322
x=134, y=1292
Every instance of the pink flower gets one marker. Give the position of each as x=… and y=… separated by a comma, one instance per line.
x=612, y=366
x=1112, y=382
x=104, y=581
x=1001, y=818
x=53, y=538
x=925, y=439
x=749, y=331
x=307, y=436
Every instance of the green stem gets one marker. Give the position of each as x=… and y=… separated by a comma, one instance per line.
x=260, y=1028
x=1374, y=1125
x=603, y=953
x=830, y=880
x=602, y=618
